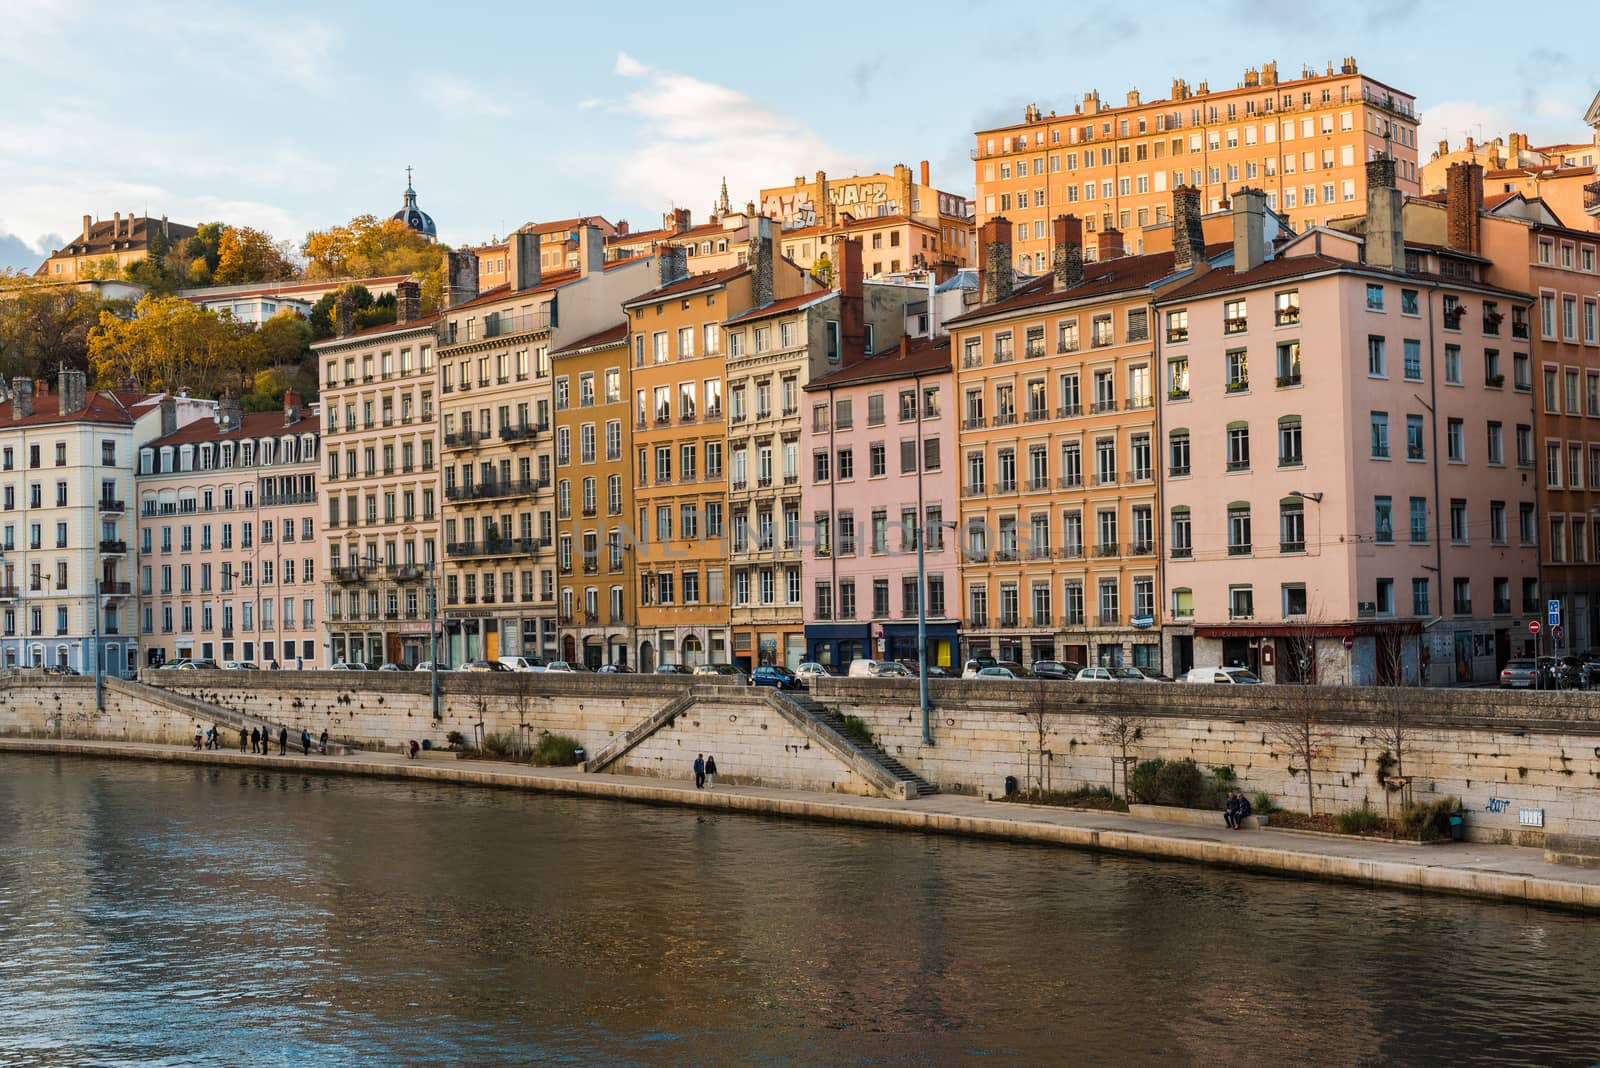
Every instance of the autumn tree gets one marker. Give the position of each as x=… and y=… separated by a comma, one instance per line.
x=173, y=344
x=367, y=247
x=369, y=311
x=1123, y=731
x=245, y=254
x=44, y=328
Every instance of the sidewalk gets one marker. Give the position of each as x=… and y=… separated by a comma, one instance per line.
x=1508, y=873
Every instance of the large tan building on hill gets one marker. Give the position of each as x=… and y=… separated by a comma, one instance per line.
x=1303, y=141
x=109, y=243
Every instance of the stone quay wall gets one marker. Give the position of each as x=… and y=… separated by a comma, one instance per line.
x=1500, y=752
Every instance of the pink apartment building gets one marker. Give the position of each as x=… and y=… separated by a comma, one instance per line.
x=880, y=438
x=1348, y=490
x=229, y=539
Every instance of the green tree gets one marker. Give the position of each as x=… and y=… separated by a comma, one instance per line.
x=367, y=247
x=172, y=344
x=44, y=328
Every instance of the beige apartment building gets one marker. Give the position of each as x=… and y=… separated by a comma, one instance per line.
x=903, y=224
x=230, y=539
x=506, y=465
x=1303, y=141
x=381, y=438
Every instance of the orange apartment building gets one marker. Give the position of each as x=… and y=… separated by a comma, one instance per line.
x=558, y=249
x=679, y=370
x=594, y=574
x=719, y=243
x=1056, y=380
x=903, y=224
x=1304, y=141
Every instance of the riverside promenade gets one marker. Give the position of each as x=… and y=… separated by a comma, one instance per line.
x=1507, y=873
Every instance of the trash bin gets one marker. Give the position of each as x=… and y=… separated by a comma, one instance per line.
x=1011, y=785
x=1458, y=828
x=426, y=744
x=579, y=755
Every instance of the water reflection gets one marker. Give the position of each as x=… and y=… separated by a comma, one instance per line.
x=236, y=916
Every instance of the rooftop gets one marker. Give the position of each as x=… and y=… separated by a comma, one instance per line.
x=910, y=357
x=251, y=425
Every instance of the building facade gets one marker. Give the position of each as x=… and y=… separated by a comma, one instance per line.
x=1304, y=141
x=381, y=487
x=105, y=246
x=231, y=540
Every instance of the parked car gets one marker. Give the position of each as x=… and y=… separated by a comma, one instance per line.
x=673, y=669
x=1109, y=674
x=812, y=670
x=1559, y=674
x=562, y=667
x=613, y=669
x=1591, y=670
x=1152, y=675
x=935, y=671
x=723, y=673
x=59, y=669
x=184, y=663
x=388, y=667
x=1519, y=674
x=342, y=666
x=1059, y=670
x=426, y=665
x=776, y=676
x=523, y=663
x=863, y=668
x=482, y=665
x=1005, y=669
x=975, y=664
x=238, y=665
x=1233, y=676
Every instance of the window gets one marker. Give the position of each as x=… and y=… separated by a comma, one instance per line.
x=1374, y=298
x=1241, y=602
x=1462, y=590
x=1419, y=520
x=1416, y=448
x=1235, y=317
x=1458, y=521
x=1411, y=350
x=1177, y=326
x=1238, y=370
x=1292, y=525
x=1239, y=529
x=1290, y=452
x=1455, y=440
x=1383, y=520
x=1288, y=363
x=1380, y=435
x=1178, y=378
x=1294, y=599
x=1238, y=438
x=1410, y=304
x=1181, y=547
x=1377, y=357
x=1419, y=597
x=1177, y=453
x=1286, y=310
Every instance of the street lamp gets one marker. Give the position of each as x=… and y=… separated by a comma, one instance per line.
x=99, y=676
x=433, y=624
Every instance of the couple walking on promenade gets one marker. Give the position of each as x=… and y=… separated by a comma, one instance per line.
x=705, y=772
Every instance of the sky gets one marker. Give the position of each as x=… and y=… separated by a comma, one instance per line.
x=294, y=115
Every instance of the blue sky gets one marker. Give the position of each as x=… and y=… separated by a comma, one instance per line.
x=296, y=115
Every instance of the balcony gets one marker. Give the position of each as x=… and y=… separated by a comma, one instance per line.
x=1142, y=548
x=492, y=547
x=8, y=593
x=1070, y=552
x=975, y=489
x=107, y=589
x=406, y=572
x=1287, y=547
x=463, y=439
x=108, y=505
x=1069, y=482
x=1069, y=411
x=1006, y=485
x=1181, y=552
x=1110, y=619
x=1591, y=198
x=1108, y=548
x=1107, y=405
x=486, y=491
x=347, y=575
x=1005, y=419
x=518, y=433
x=113, y=547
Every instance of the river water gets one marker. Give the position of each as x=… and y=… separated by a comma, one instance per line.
x=159, y=914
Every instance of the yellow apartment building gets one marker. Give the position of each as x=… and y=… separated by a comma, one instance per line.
x=903, y=224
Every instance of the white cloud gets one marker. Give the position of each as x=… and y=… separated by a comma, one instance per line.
x=457, y=96
x=692, y=133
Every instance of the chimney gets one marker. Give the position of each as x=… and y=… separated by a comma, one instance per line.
x=21, y=397
x=460, y=277
x=852, y=303
x=168, y=406
x=291, y=405
x=925, y=180
x=407, y=304
x=230, y=413
x=1463, y=203
x=73, y=387
x=344, y=313
x=1385, y=240
x=1444, y=149
x=41, y=387
x=902, y=188
x=760, y=259
x=1109, y=244
x=522, y=261
x=682, y=219
x=824, y=209
x=591, y=248
x=1188, y=233
x=672, y=261
x=116, y=225
x=88, y=224
x=1249, y=238
x=994, y=274
x=1067, y=256
x=1518, y=143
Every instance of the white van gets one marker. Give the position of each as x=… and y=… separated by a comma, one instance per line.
x=877, y=669
x=523, y=663
x=1230, y=676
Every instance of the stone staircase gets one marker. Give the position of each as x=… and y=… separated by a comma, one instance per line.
x=206, y=714
x=911, y=785
x=619, y=746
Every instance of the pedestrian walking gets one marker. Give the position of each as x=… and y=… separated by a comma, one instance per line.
x=322, y=744
x=211, y=738
x=699, y=770
x=283, y=741
x=199, y=736
x=244, y=739
x=711, y=772
x=255, y=740
x=414, y=748
x=305, y=742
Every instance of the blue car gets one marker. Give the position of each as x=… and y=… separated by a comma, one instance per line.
x=780, y=678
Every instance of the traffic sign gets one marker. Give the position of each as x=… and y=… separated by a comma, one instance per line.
x=1533, y=626
x=1553, y=611
x=1349, y=642
x=1555, y=633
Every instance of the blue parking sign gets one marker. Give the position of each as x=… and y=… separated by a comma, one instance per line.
x=1554, y=610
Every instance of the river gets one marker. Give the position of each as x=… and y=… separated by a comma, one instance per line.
x=169, y=914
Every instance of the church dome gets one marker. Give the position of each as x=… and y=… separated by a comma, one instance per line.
x=413, y=216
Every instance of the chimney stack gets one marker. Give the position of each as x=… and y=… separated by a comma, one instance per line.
x=73, y=388
x=1249, y=237
x=344, y=313
x=230, y=413
x=168, y=407
x=852, y=302
x=522, y=261
x=1109, y=244
x=1385, y=241
x=591, y=248
x=1463, y=203
x=760, y=260
x=88, y=224
x=1067, y=256
x=116, y=225
x=291, y=406
x=925, y=180
x=682, y=219
x=460, y=277
x=994, y=273
x=407, y=302
x=672, y=261
x=21, y=397
x=1188, y=232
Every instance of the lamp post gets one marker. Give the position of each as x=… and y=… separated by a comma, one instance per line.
x=433, y=624
x=99, y=675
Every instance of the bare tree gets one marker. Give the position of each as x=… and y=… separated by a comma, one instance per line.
x=1303, y=733
x=1038, y=710
x=1394, y=735
x=524, y=703
x=1122, y=731
x=1390, y=653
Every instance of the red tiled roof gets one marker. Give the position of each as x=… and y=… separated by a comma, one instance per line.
x=382, y=328
x=327, y=286
x=252, y=425
x=610, y=336
x=784, y=304
x=1100, y=278
x=1220, y=278
x=690, y=284
x=112, y=407
x=107, y=235
x=909, y=357
x=547, y=283
x=640, y=235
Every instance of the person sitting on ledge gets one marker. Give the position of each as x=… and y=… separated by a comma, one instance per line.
x=1243, y=812
x=1230, y=811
